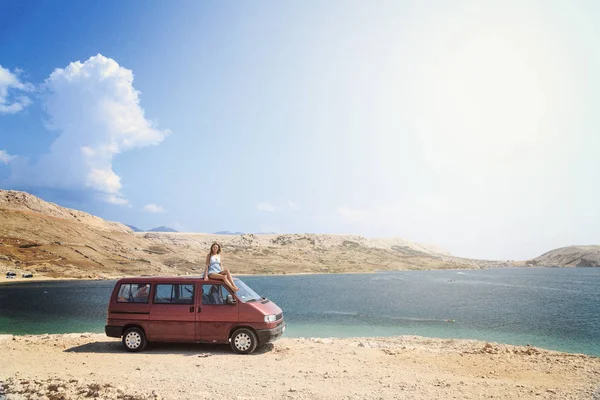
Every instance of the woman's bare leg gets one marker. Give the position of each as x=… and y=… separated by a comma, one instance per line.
x=219, y=277
x=230, y=277
x=223, y=278
x=229, y=280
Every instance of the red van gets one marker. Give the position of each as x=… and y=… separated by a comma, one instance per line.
x=193, y=310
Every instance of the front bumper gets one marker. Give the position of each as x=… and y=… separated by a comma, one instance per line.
x=270, y=335
x=113, y=331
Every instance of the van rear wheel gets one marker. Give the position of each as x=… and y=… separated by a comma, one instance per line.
x=244, y=341
x=134, y=339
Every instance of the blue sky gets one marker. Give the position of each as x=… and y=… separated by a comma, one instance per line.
x=469, y=125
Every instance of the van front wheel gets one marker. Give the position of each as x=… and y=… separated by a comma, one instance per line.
x=134, y=339
x=244, y=341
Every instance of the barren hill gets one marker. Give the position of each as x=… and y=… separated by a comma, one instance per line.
x=571, y=256
x=27, y=203
x=48, y=240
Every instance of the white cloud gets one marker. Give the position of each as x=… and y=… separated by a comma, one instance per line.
x=267, y=207
x=104, y=180
x=114, y=199
x=153, y=208
x=292, y=205
x=6, y=158
x=10, y=82
x=95, y=110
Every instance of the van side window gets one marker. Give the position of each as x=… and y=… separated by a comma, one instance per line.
x=214, y=294
x=174, y=294
x=133, y=293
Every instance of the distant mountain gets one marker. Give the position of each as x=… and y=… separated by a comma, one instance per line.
x=162, y=229
x=242, y=233
x=157, y=229
x=133, y=228
x=571, y=256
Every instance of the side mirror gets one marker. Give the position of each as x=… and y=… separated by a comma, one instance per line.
x=230, y=299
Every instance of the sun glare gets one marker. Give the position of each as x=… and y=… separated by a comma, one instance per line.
x=491, y=93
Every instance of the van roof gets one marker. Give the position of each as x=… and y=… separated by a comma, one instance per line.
x=159, y=279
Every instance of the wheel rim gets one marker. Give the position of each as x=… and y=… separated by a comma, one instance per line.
x=133, y=340
x=243, y=342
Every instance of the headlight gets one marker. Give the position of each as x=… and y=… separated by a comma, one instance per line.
x=270, y=318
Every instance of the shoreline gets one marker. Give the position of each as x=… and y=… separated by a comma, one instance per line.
x=43, y=278
x=411, y=367
x=114, y=278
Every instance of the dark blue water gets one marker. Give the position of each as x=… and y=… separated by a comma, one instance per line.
x=551, y=308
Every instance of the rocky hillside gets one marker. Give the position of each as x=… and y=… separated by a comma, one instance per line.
x=51, y=241
x=46, y=239
x=571, y=256
x=27, y=204
x=299, y=253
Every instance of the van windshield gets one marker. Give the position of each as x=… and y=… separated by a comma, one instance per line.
x=245, y=294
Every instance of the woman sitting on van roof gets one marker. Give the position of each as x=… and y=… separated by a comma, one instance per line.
x=214, y=267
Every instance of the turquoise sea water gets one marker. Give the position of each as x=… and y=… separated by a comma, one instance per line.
x=546, y=307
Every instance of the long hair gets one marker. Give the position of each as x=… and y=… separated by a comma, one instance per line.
x=210, y=252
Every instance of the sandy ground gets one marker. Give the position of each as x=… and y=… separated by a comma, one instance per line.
x=81, y=366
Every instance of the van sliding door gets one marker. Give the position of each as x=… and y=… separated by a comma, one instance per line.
x=172, y=314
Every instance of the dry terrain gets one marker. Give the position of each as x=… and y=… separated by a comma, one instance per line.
x=81, y=366
x=571, y=256
x=51, y=241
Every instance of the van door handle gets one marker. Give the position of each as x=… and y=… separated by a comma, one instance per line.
x=191, y=308
x=199, y=309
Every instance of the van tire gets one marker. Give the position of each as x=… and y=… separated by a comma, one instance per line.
x=244, y=341
x=134, y=340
